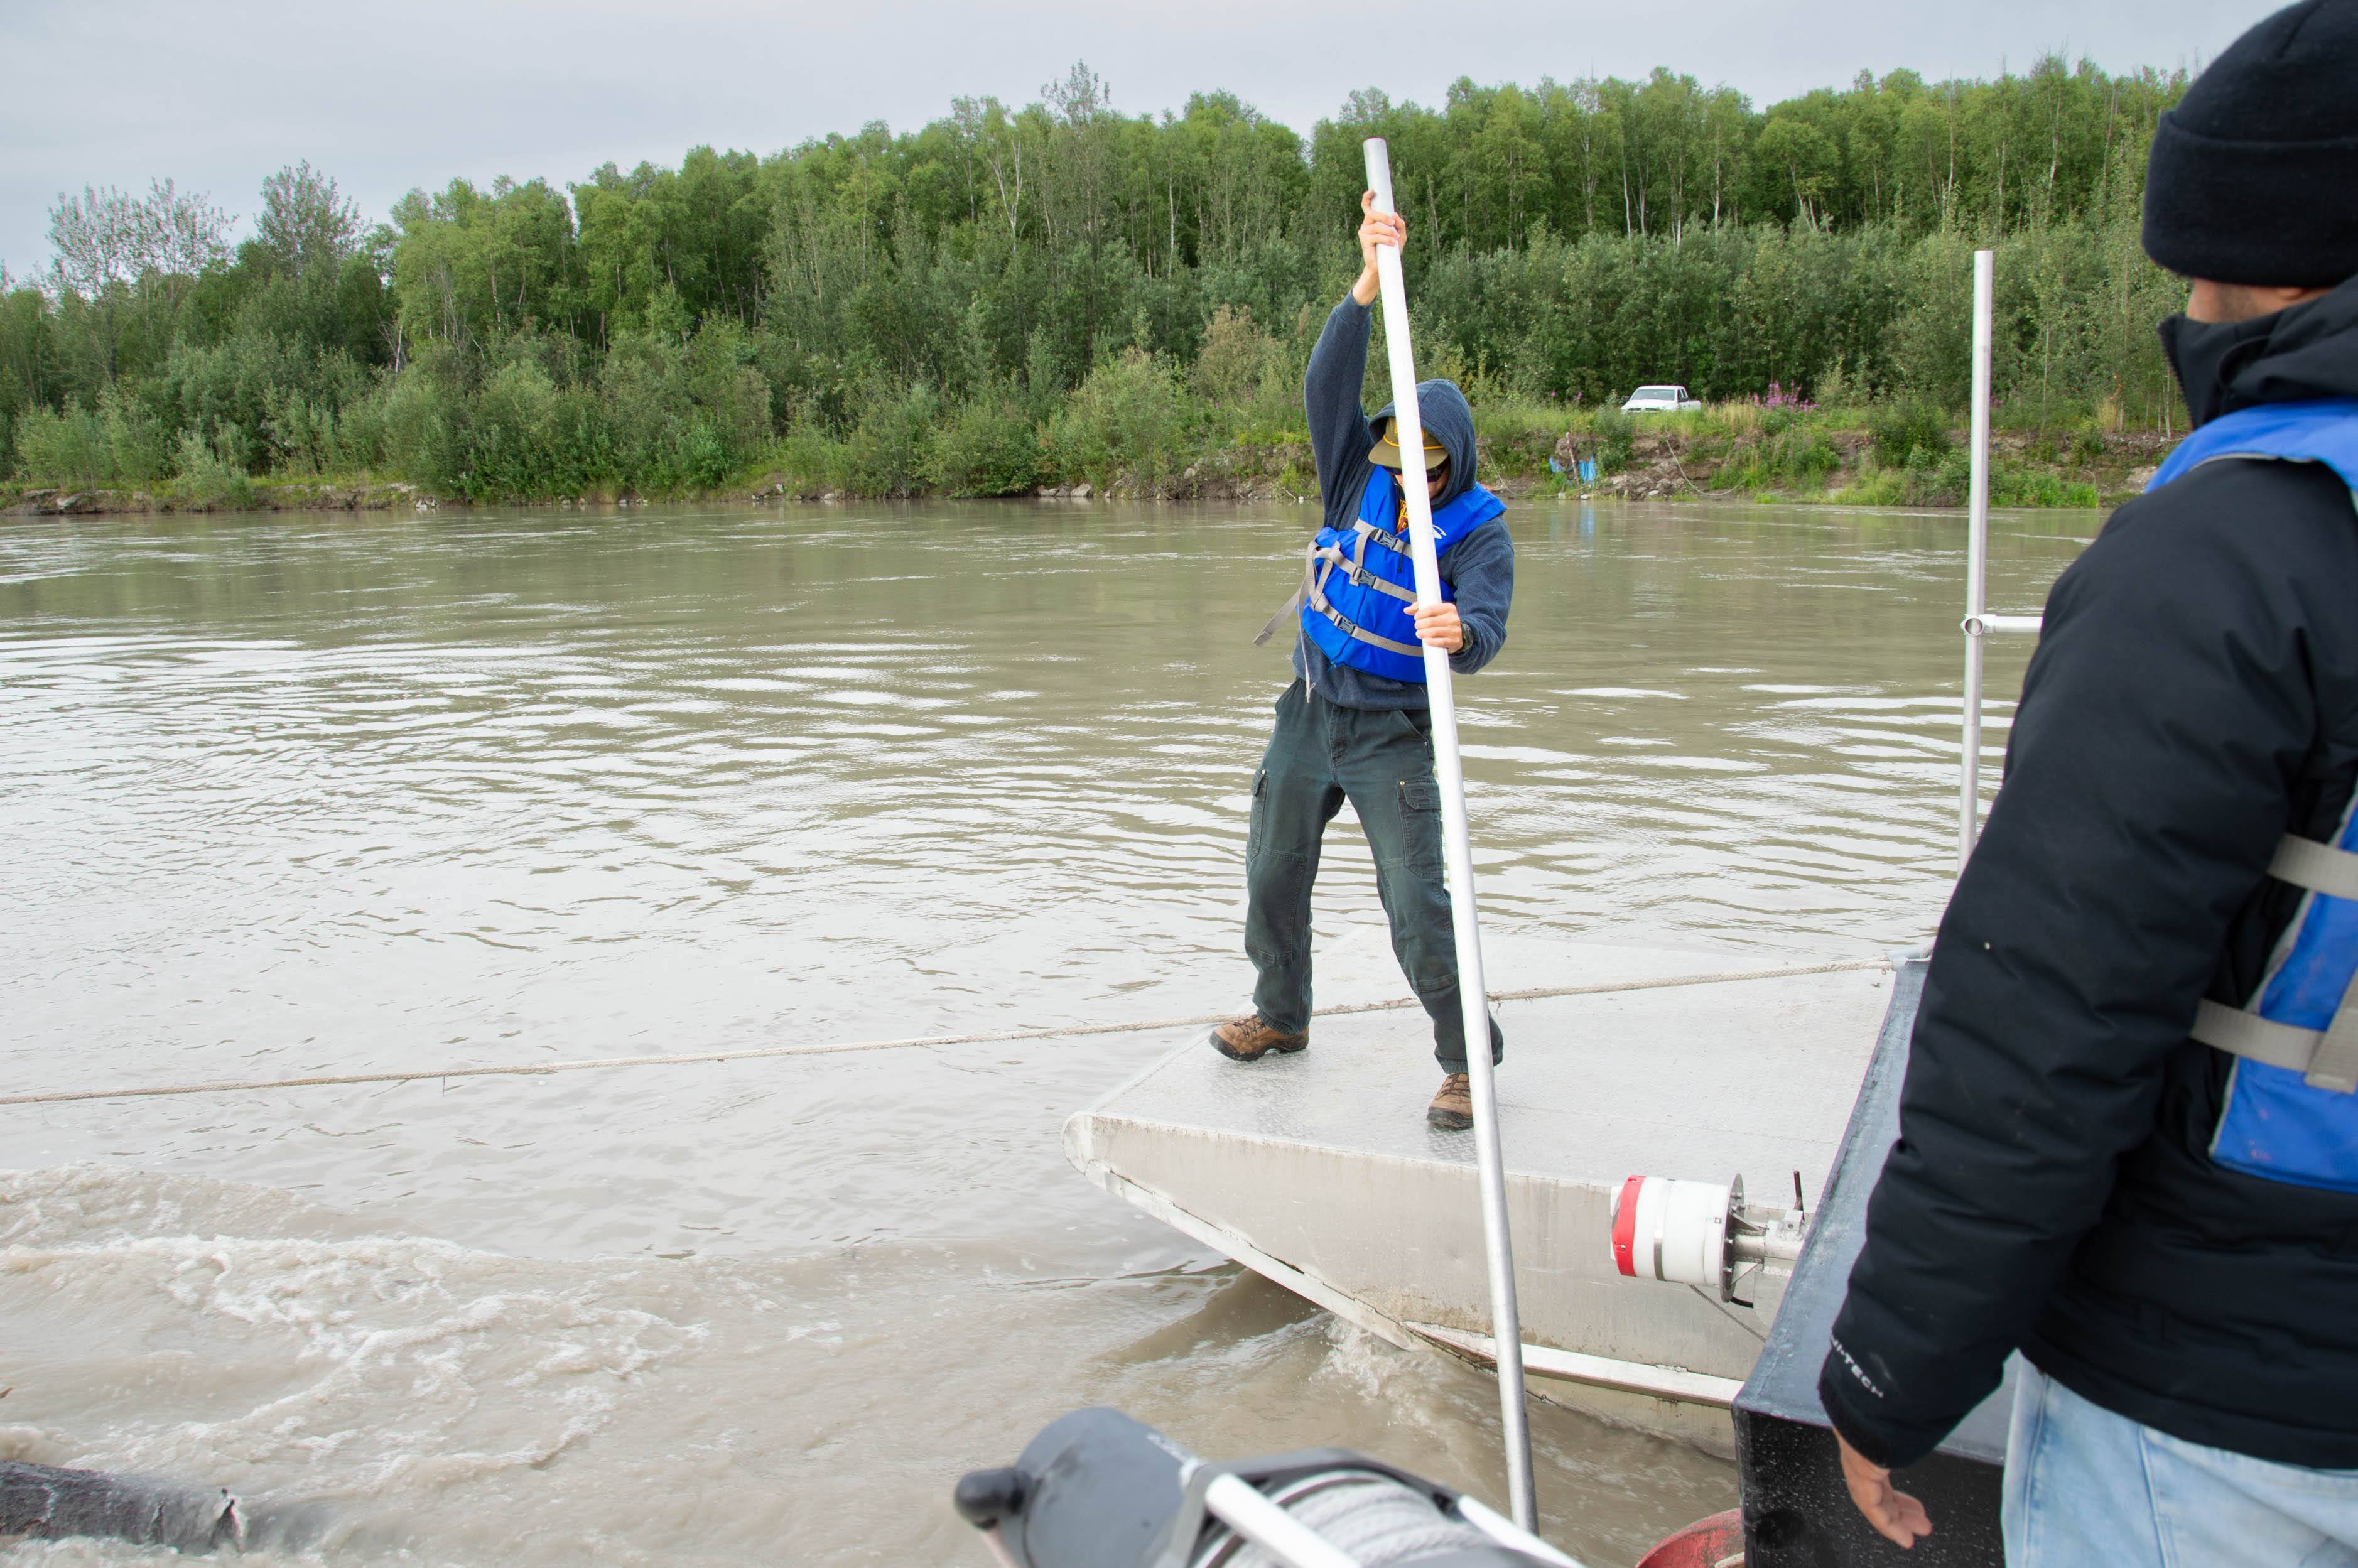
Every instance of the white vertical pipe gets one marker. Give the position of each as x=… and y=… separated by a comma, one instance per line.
x=1969, y=786
x=1506, y=1320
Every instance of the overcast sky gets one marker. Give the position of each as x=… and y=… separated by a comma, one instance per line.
x=388, y=96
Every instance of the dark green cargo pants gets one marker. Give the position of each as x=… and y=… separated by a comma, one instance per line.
x=1382, y=761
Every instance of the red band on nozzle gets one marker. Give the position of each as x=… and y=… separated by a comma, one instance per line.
x=1625, y=1226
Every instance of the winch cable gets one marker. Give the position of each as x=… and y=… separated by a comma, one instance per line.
x=918, y=1042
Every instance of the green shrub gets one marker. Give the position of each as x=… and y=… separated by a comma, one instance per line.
x=209, y=479
x=728, y=393
x=1254, y=380
x=360, y=432
x=512, y=450
x=1228, y=366
x=989, y=449
x=1943, y=481
x=1905, y=429
x=891, y=450
x=641, y=398
x=64, y=448
x=1925, y=480
x=301, y=434
x=424, y=417
x=1877, y=487
x=1129, y=423
x=705, y=459
x=1617, y=439
x=119, y=442
x=818, y=459
x=2010, y=486
x=2028, y=410
x=1838, y=388
x=1516, y=435
x=139, y=446
x=1793, y=459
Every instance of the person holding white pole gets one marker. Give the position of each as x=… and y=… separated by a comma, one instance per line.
x=1356, y=724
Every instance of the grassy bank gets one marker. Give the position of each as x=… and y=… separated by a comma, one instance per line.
x=1144, y=436
x=1887, y=455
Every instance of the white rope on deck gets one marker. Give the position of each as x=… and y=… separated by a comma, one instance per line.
x=929, y=1041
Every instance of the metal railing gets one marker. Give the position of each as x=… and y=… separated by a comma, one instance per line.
x=1979, y=623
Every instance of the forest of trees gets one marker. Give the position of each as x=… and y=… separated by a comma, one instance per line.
x=1012, y=296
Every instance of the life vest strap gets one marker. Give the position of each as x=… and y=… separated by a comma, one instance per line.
x=1314, y=582
x=2328, y=1057
x=1291, y=608
x=2320, y=868
x=1355, y=564
x=1350, y=628
x=1360, y=574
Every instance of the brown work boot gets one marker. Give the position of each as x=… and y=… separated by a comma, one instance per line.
x=1249, y=1038
x=1452, y=1110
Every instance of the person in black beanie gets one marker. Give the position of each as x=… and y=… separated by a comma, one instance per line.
x=2128, y=1130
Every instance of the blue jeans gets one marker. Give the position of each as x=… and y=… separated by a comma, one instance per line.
x=2084, y=1486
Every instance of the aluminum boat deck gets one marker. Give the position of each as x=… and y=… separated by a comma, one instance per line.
x=1318, y=1169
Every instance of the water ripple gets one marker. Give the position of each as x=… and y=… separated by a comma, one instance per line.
x=360, y=792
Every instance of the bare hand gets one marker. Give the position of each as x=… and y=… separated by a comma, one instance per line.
x=1438, y=625
x=1897, y=1517
x=1375, y=229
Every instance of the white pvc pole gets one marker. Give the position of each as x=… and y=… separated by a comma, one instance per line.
x=1506, y=1321
x=1249, y=1511
x=1969, y=785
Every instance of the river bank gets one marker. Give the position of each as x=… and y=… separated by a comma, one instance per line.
x=1881, y=457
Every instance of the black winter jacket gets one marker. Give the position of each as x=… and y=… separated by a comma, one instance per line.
x=2194, y=695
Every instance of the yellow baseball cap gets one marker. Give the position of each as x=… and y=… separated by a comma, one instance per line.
x=1387, y=448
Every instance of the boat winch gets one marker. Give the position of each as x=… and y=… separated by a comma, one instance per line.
x=1095, y=1489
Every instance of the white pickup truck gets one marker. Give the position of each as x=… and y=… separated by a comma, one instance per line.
x=1661, y=400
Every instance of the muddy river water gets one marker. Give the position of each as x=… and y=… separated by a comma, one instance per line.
x=287, y=795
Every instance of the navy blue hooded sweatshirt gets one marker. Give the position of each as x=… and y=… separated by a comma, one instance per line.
x=1480, y=566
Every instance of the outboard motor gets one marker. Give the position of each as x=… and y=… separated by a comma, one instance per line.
x=1095, y=1489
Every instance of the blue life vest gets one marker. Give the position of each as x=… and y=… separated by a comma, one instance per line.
x=1359, y=583
x=2292, y=1100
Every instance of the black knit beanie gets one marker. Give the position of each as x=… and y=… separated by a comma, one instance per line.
x=2254, y=177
